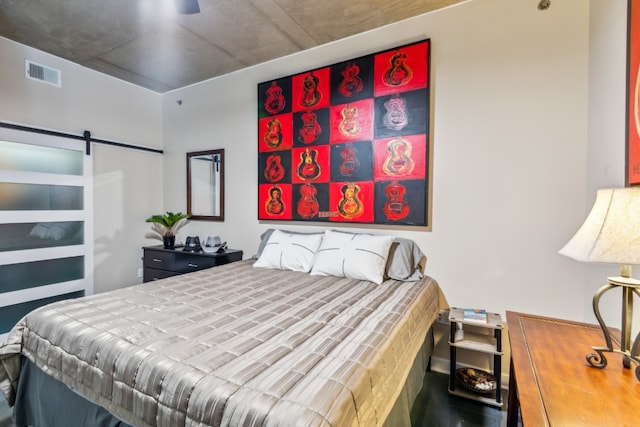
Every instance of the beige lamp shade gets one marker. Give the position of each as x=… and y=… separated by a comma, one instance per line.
x=611, y=232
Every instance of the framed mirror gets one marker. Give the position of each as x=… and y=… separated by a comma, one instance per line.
x=205, y=185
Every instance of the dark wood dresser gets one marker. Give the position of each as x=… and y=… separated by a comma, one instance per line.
x=552, y=383
x=159, y=262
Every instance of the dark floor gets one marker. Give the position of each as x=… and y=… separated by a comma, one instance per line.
x=5, y=413
x=434, y=407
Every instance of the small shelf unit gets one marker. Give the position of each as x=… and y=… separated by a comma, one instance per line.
x=482, y=337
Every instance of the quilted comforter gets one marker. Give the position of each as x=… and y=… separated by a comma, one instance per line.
x=232, y=345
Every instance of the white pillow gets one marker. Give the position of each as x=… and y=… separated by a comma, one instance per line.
x=358, y=256
x=52, y=230
x=287, y=251
x=40, y=230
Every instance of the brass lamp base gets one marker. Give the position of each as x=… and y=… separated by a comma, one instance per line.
x=630, y=352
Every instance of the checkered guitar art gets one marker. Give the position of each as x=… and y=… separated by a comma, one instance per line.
x=349, y=142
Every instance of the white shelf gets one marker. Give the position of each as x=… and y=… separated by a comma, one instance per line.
x=488, y=399
x=480, y=337
x=477, y=342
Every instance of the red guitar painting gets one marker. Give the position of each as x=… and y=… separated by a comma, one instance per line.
x=275, y=205
x=273, y=136
x=274, y=171
x=275, y=101
x=308, y=169
x=311, y=129
x=308, y=206
x=348, y=142
x=349, y=205
x=395, y=207
x=351, y=83
x=350, y=163
x=399, y=162
x=399, y=73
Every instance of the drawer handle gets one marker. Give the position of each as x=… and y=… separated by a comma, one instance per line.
x=193, y=265
x=157, y=260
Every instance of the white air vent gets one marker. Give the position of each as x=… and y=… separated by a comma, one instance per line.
x=35, y=71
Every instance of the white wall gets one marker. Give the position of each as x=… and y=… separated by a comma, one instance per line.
x=528, y=121
x=605, y=161
x=511, y=149
x=127, y=183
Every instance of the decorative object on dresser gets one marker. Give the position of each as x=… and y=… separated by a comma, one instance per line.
x=484, y=337
x=166, y=226
x=192, y=244
x=552, y=385
x=160, y=262
x=214, y=244
x=611, y=234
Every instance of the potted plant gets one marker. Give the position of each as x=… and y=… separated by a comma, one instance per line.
x=166, y=226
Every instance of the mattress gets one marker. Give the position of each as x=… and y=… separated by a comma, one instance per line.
x=233, y=345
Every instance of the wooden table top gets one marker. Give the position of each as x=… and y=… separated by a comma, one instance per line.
x=557, y=387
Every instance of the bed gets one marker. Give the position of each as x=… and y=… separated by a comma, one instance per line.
x=238, y=344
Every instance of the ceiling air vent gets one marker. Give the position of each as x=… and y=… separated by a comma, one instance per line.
x=35, y=71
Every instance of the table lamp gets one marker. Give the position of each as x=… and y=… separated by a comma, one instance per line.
x=611, y=234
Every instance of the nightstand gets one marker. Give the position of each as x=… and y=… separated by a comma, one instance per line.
x=160, y=263
x=483, y=337
x=552, y=384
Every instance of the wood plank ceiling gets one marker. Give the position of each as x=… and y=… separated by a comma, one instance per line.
x=147, y=43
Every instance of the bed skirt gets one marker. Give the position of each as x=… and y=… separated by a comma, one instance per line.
x=43, y=400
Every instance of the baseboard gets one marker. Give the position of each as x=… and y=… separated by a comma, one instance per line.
x=441, y=365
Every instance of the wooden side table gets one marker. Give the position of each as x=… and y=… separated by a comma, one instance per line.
x=552, y=383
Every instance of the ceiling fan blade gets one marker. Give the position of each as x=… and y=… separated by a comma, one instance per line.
x=187, y=7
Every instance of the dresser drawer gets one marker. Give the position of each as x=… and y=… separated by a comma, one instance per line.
x=155, y=274
x=187, y=263
x=161, y=260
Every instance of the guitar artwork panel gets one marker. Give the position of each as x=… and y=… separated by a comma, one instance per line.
x=349, y=142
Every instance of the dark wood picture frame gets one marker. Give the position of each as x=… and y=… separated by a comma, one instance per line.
x=349, y=142
x=212, y=157
x=632, y=151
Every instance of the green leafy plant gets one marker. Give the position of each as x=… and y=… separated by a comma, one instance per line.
x=168, y=224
